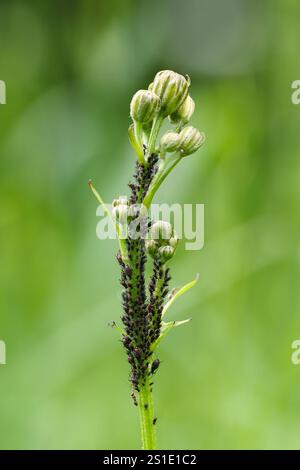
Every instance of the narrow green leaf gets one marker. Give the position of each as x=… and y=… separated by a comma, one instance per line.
x=120, y=330
x=122, y=242
x=99, y=199
x=179, y=293
x=166, y=328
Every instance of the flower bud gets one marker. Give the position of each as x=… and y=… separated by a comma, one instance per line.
x=162, y=241
x=172, y=90
x=121, y=200
x=144, y=106
x=166, y=252
x=151, y=247
x=173, y=242
x=184, y=113
x=120, y=213
x=170, y=142
x=190, y=140
x=161, y=230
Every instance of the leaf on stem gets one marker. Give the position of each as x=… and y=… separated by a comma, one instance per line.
x=179, y=293
x=99, y=199
x=166, y=328
x=120, y=330
x=122, y=242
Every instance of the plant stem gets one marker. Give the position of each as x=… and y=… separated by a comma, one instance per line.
x=157, y=122
x=145, y=403
x=135, y=144
x=158, y=180
x=138, y=129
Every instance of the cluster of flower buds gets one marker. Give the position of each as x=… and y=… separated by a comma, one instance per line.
x=162, y=241
x=168, y=95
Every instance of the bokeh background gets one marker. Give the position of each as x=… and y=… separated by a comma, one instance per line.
x=227, y=380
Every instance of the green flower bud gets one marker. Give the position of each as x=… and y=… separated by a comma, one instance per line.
x=144, y=106
x=173, y=242
x=172, y=90
x=121, y=200
x=166, y=252
x=151, y=247
x=190, y=140
x=120, y=213
x=161, y=230
x=162, y=241
x=184, y=113
x=170, y=142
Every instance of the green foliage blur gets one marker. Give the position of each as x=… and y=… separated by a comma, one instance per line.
x=226, y=379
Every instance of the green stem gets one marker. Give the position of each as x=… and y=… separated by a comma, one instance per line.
x=138, y=129
x=158, y=180
x=135, y=144
x=145, y=403
x=157, y=122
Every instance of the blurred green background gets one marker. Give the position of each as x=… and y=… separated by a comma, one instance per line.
x=70, y=68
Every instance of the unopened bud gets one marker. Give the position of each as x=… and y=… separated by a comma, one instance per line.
x=166, y=252
x=144, y=106
x=191, y=140
x=173, y=242
x=172, y=89
x=120, y=213
x=161, y=230
x=121, y=200
x=162, y=241
x=170, y=142
x=151, y=247
x=184, y=113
